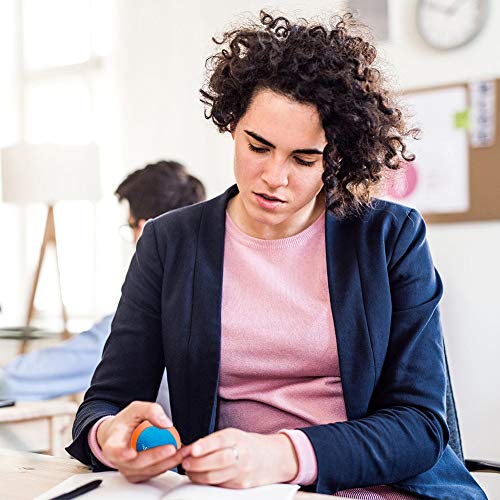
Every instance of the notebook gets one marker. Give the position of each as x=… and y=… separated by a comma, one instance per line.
x=167, y=486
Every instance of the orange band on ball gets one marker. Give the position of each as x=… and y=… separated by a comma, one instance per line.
x=137, y=432
x=177, y=438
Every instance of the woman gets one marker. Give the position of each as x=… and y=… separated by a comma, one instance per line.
x=293, y=301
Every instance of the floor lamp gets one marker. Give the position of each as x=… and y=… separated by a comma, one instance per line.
x=48, y=173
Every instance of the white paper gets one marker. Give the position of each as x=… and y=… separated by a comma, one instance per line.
x=167, y=486
x=438, y=180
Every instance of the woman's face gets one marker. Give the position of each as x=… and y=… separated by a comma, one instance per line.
x=278, y=164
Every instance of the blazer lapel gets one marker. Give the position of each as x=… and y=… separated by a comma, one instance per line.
x=205, y=337
x=356, y=361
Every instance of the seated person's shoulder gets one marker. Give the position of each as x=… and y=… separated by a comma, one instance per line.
x=383, y=223
x=384, y=214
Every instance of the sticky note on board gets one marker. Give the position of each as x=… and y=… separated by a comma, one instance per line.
x=461, y=119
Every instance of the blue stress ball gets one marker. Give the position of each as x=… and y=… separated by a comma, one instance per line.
x=147, y=436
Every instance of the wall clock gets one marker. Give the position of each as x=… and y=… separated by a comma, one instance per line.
x=449, y=24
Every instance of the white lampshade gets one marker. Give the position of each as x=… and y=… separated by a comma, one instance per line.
x=49, y=173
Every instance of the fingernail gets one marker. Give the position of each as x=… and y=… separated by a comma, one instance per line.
x=186, y=464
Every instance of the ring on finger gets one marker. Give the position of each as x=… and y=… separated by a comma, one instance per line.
x=236, y=453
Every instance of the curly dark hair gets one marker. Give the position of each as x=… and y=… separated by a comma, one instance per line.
x=329, y=67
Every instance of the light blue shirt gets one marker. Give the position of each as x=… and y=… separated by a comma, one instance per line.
x=62, y=369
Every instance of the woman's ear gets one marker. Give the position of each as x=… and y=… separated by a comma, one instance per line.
x=232, y=129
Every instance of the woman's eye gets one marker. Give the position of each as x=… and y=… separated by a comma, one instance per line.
x=300, y=161
x=255, y=149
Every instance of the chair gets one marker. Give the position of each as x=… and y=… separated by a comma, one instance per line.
x=455, y=441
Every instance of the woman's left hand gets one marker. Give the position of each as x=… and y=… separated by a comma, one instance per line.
x=236, y=459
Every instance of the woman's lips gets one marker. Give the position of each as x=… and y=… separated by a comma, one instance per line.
x=267, y=201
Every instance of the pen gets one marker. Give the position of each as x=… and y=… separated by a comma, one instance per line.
x=79, y=491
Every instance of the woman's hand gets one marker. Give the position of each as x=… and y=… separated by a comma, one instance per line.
x=114, y=435
x=236, y=459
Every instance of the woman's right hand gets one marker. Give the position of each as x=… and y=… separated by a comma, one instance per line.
x=115, y=433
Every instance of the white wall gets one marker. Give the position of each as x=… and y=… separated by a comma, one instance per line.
x=162, y=47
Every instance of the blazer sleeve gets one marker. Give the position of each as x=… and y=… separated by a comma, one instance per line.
x=132, y=363
x=405, y=431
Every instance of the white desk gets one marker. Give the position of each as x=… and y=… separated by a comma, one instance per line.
x=43, y=426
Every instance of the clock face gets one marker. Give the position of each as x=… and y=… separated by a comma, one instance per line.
x=448, y=24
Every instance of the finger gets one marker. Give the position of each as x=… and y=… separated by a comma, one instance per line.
x=144, y=459
x=136, y=479
x=237, y=483
x=154, y=469
x=222, y=439
x=214, y=477
x=138, y=411
x=185, y=451
x=220, y=459
x=149, y=458
x=133, y=477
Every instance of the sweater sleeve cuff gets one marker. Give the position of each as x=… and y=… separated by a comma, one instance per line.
x=308, y=465
x=94, y=445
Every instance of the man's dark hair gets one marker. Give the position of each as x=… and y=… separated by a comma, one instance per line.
x=331, y=66
x=158, y=188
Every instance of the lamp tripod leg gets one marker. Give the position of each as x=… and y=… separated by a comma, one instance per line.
x=49, y=237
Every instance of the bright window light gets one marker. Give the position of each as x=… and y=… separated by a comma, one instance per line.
x=9, y=101
x=103, y=27
x=58, y=110
x=56, y=32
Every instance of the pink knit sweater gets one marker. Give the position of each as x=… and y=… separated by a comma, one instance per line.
x=279, y=361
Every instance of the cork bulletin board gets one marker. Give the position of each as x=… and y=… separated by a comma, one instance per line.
x=484, y=173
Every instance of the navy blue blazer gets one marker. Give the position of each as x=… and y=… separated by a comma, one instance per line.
x=384, y=295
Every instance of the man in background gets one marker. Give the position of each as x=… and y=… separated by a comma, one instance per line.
x=67, y=368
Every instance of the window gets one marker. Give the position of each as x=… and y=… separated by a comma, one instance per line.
x=58, y=79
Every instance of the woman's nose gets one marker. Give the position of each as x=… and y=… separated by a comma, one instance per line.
x=275, y=174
